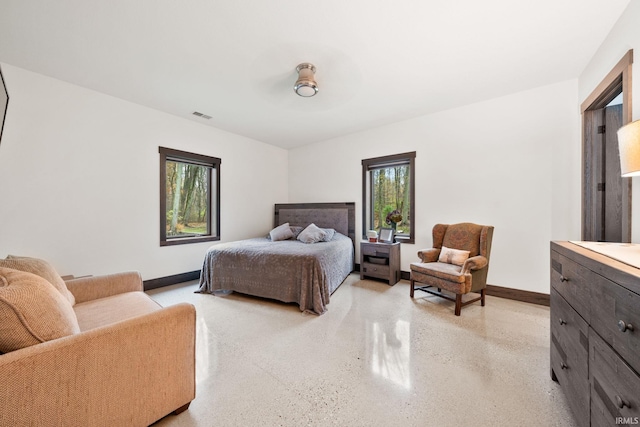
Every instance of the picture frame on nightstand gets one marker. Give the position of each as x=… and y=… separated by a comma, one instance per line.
x=387, y=235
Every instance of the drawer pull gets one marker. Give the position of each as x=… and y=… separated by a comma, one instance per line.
x=564, y=279
x=562, y=321
x=563, y=366
x=623, y=326
x=621, y=403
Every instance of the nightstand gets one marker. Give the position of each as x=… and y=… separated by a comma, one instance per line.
x=380, y=260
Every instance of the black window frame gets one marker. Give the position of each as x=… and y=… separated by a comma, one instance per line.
x=169, y=154
x=383, y=162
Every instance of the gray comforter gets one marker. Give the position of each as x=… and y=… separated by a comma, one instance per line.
x=288, y=271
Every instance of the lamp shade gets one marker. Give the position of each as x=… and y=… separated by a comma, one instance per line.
x=629, y=145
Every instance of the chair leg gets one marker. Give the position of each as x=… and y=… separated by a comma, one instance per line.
x=458, y=304
x=482, y=294
x=413, y=282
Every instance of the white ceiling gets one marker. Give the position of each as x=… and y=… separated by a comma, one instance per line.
x=377, y=61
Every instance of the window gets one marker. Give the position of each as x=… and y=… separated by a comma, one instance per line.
x=388, y=195
x=189, y=197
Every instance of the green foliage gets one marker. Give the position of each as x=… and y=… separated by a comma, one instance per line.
x=186, y=195
x=390, y=192
x=194, y=228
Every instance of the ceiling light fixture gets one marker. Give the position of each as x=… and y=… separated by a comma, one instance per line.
x=306, y=85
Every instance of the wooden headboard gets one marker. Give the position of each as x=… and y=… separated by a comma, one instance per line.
x=339, y=216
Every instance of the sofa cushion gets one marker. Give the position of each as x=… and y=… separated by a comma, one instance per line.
x=41, y=268
x=32, y=311
x=105, y=311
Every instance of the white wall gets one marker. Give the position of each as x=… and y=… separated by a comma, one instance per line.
x=625, y=35
x=512, y=162
x=79, y=177
x=79, y=180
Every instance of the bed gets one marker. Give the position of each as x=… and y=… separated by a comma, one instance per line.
x=289, y=271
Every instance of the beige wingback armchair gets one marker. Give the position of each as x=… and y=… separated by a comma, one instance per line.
x=458, y=263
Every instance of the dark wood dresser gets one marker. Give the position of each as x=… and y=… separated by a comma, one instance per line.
x=595, y=335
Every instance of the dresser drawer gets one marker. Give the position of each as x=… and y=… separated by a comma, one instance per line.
x=570, y=335
x=574, y=385
x=613, y=310
x=375, y=270
x=375, y=250
x=573, y=282
x=615, y=387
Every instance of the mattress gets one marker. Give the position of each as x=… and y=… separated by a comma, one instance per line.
x=289, y=271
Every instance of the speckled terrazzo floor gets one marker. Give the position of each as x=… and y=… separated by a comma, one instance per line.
x=376, y=358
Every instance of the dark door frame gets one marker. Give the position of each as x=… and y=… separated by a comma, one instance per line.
x=617, y=80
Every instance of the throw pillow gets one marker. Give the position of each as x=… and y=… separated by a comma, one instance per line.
x=32, y=311
x=281, y=232
x=453, y=256
x=40, y=268
x=312, y=234
x=296, y=231
x=330, y=232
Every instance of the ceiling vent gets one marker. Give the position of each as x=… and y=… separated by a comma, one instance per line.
x=204, y=116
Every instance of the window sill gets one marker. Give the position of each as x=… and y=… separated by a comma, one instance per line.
x=403, y=239
x=398, y=239
x=188, y=240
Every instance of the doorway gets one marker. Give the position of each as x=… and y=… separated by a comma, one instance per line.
x=606, y=196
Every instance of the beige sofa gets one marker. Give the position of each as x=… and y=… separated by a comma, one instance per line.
x=129, y=361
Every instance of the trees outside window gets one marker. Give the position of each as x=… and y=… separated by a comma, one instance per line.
x=189, y=197
x=388, y=194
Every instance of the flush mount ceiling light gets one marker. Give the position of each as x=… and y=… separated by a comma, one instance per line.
x=306, y=85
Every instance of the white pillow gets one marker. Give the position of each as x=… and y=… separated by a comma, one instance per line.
x=453, y=256
x=312, y=234
x=281, y=232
